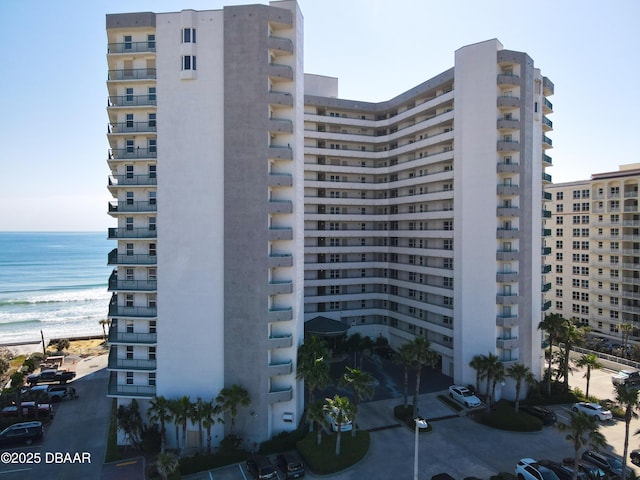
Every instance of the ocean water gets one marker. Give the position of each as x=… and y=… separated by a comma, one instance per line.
x=52, y=281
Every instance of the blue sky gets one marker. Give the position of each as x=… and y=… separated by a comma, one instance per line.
x=53, y=124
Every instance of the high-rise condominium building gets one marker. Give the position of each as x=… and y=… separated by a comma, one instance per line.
x=250, y=198
x=596, y=251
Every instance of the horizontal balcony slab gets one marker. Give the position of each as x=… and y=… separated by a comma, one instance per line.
x=280, y=314
x=114, y=258
x=507, y=321
x=132, y=312
x=132, y=233
x=116, y=337
x=283, y=395
x=284, y=260
x=507, y=299
x=280, y=368
x=280, y=206
x=284, y=99
x=280, y=180
x=283, y=233
x=116, y=181
x=284, y=341
x=115, y=363
x=280, y=288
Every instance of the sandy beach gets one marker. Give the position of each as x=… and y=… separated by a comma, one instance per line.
x=79, y=347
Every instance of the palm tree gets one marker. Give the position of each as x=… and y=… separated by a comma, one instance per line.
x=583, y=432
x=159, y=412
x=166, y=464
x=406, y=358
x=230, y=399
x=590, y=361
x=493, y=366
x=552, y=325
x=104, y=322
x=195, y=415
x=209, y=415
x=498, y=375
x=520, y=372
x=313, y=365
x=626, y=329
x=362, y=384
x=315, y=414
x=181, y=409
x=628, y=399
x=479, y=365
x=572, y=334
x=340, y=410
x=423, y=355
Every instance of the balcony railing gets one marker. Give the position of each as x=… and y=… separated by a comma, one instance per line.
x=546, y=305
x=115, y=363
x=126, y=390
x=546, y=213
x=547, y=141
x=132, y=101
x=132, y=153
x=547, y=160
x=276, y=395
x=132, y=127
x=131, y=285
x=132, y=47
x=134, y=259
x=132, y=233
x=547, y=122
x=134, y=338
x=546, y=177
x=548, y=104
x=132, y=180
x=126, y=311
x=132, y=74
x=546, y=269
x=132, y=206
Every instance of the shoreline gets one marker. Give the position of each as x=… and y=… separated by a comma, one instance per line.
x=29, y=347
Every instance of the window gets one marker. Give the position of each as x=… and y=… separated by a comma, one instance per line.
x=559, y=305
x=576, y=219
x=189, y=35
x=129, y=354
x=129, y=249
x=151, y=94
x=559, y=220
x=576, y=232
x=558, y=243
x=334, y=290
x=558, y=268
x=128, y=44
x=152, y=326
x=559, y=208
x=152, y=379
x=559, y=232
x=559, y=281
x=151, y=41
x=576, y=194
x=152, y=250
x=188, y=62
x=152, y=120
x=576, y=207
x=559, y=256
x=129, y=378
x=559, y=292
x=152, y=353
x=129, y=198
x=559, y=195
x=129, y=95
x=152, y=146
x=152, y=171
x=585, y=193
x=129, y=224
x=152, y=224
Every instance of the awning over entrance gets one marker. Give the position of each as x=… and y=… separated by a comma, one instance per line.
x=325, y=327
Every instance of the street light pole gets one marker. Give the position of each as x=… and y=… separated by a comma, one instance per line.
x=420, y=423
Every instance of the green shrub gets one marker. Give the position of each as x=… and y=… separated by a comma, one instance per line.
x=322, y=460
x=17, y=379
x=282, y=442
x=503, y=417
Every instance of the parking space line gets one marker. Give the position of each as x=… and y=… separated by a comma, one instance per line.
x=210, y=475
x=14, y=471
x=242, y=472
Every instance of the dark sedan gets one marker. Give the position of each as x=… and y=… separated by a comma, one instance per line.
x=547, y=416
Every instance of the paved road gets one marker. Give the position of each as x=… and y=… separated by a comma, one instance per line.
x=75, y=441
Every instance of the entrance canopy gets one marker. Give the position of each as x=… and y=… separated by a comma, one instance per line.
x=325, y=327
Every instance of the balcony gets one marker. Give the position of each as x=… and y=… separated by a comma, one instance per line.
x=505, y=233
x=280, y=44
x=507, y=342
x=546, y=213
x=508, y=145
x=506, y=255
x=277, y=395
x=546, y=232
x=280, y=260
x=133, y=312
x=508, y=101
x=280, y=288
x=546, y=160
x=280, y=206
x=116, y=337
x=115, y=363
x=277, y=152
x=506, y=276
x=507, y=298
x=116, y=181
x=547, y=106
x=115, y=233
x=546, y=269
x=282, y=341
x=546, y=124
x=546, y=197
x=131, y=74
x=131, y=153
x=280, y=125
x=132, y=207
x=547, y=86
x=546, y=305
x=509, y=167
x=546, y=287
x=134, y=259
x=280, y=180
x=546, y=142
x=284, y=368
x=508, y=189
x=506, y=320
x=131, y=101
x=131, y=285
x=125, y=128
x=546, y=178
x=546, y=250
x=508, y=79
x=281, y=314
x=507, y=211
x=116, y=389
x=284, y=99
x=131, y=47
x=276, y=70
x=508, y=124
x=280, y=233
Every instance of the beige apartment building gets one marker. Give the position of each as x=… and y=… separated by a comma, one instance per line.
x=595, y=240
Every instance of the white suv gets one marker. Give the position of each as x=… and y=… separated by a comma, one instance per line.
x=529, y=469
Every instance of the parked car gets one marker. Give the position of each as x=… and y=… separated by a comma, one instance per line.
x=51, y=376
x=291, y=465
x=593, y=410
x=610, y=464
x=21, y=434
x=55, y=393
x=529, y=469
x=563, y=472
x=345, y=426
x=261, y=467
x=30, y=410
x=547, y=416
x=464, y=396
x=627, y=378
x=589, y=469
